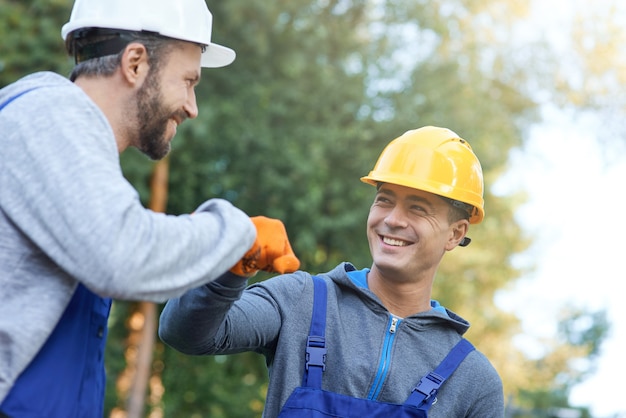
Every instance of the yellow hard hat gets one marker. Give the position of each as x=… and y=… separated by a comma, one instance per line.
x=435, y=160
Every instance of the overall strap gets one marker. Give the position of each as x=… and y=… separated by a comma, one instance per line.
x=3, y=105
x=424, y=394
x=316, y=343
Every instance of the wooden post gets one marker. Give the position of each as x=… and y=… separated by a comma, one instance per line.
x=147, y=332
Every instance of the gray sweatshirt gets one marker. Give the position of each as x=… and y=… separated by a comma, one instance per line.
x=273, y=318
x=67, y=215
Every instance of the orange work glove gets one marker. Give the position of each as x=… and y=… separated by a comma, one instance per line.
x=270, y=252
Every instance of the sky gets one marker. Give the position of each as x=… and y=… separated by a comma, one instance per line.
x=575, y=189
x=574, y=210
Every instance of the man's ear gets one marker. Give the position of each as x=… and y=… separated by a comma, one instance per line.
x=458, y=230
x=134, y=63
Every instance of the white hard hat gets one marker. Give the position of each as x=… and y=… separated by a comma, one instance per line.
x=187, y=20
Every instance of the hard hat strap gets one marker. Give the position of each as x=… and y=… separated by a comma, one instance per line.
x=96, y=42
x=465, y=242
x=99, y=49
x=464, y=207
x=91, y=43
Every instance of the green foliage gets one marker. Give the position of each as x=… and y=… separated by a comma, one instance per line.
x=569, y=360
x=217, y=386
x=31, y=38
x=585, y=329
x=278, y=133
x=546, y=404
x=115, y=359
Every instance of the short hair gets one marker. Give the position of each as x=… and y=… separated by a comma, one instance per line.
x=98, y=52
x=458, y=210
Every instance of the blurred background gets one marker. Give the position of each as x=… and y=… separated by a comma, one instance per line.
x=318, y=88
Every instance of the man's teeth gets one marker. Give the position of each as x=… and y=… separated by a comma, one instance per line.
x=394, y=242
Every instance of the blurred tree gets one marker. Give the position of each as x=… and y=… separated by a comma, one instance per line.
x=31, y=38
x=569, y=357
x=588, y=72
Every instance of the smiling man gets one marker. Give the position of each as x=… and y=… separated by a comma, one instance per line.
x=73, y=232
x=371, y=342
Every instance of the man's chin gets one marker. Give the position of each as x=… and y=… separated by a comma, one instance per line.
x=157, y=153
x=162, y=154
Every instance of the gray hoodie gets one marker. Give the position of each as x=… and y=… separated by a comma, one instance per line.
x=67, y=215
x=273, y=318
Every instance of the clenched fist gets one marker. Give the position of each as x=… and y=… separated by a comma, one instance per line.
x=270, y=252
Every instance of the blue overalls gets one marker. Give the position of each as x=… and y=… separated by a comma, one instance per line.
x=66, y=379
x=310, y=401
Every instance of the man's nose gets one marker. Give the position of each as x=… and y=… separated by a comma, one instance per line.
x=191, y=107
x=396, y=218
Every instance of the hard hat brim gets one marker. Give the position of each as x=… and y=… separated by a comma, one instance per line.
x=475, y=201
x=216, y=56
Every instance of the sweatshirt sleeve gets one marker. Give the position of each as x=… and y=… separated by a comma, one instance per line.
x=216, y=319
x=483, y=389
x=64, y=191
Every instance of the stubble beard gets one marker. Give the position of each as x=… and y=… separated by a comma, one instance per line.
x=152, y=117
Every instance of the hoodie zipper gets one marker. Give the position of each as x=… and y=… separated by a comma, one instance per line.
x=385, y=359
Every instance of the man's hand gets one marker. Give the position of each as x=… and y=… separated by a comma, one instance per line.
x=270, y=252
